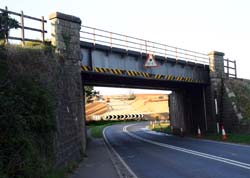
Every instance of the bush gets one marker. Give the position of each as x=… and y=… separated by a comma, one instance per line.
x=6, y=23
x=131, y=97
x=27, y=124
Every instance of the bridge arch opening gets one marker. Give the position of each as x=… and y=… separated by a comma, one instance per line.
x=184, y=108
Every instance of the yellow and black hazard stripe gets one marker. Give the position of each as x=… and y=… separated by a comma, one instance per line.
x=167, y=77
x=140, y=74
x=178, y=78
x=85, y=68
x=146, y=75
x=189, y=79
x=116, y=71
x=103, y=70
x=107, y=70
x=158, y=76
x=99, y=69
x=171, y=77
x=136, y=73
x=130, y=73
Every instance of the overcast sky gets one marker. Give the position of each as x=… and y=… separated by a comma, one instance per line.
x=199, y=25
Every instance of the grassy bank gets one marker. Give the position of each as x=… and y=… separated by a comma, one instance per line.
x=233, y=138
x=163, y=127
x=98, y=126
x=241, y=89
x=28, y=83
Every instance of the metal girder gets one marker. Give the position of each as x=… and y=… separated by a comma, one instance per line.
x=115, y=61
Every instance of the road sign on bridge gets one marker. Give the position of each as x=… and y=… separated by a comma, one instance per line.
x=150, y=61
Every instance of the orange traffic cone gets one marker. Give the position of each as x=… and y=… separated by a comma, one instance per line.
x=199, y=132
x=224, y=135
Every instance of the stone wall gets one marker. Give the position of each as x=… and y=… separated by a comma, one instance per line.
x=70, y=138
x=229, y=117
x=236, y=105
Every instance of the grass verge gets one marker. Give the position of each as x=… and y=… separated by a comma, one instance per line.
x=234, y=138
x=231, y=137
x=98, y=126
x=163, y=127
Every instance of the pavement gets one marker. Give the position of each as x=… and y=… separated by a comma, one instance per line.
x=98, y=163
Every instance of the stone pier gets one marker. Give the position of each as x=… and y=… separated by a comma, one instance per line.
x=70, y=139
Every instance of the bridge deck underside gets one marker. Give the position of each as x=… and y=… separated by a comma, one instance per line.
x=100, y=79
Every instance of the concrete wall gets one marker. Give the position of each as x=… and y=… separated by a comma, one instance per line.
x=70, y=138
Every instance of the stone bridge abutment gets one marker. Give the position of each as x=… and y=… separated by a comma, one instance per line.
x=70, y=140
x=200, y=106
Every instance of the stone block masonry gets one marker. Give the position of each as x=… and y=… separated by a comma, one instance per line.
x=70, y=139
x=215, y=90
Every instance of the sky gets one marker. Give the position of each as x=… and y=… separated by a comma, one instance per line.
x=198, y=25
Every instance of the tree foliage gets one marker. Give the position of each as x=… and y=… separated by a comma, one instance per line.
x=90, y=93
x=6, y=23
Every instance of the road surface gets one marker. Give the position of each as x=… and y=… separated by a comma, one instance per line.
x=154, y=155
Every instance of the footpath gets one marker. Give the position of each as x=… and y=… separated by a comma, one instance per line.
x=98, y=162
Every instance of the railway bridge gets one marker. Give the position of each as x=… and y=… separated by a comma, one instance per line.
x=97, y=57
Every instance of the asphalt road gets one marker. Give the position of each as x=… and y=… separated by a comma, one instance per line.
x=152, y=155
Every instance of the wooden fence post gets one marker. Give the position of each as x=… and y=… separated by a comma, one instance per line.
x=22, y=28
x=43, y=35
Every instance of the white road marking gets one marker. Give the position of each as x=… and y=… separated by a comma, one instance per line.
x=117, y=154
x=197, y=153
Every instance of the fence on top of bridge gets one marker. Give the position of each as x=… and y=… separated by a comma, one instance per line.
x=33, y=29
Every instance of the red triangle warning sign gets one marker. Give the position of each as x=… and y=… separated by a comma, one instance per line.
x=150, y=61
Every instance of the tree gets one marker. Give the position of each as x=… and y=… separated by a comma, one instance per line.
x=90, y=93
x=6, y=23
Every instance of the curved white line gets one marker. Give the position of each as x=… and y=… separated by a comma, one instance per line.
x=197, y=153
x=117, y=154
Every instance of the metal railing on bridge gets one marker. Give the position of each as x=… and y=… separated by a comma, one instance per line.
x=230, y=68
x=103, y=37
